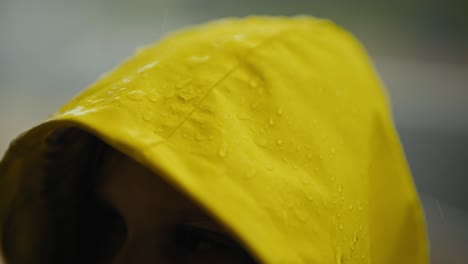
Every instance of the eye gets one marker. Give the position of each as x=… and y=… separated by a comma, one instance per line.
x=107, y=232
x=195, y=244
x=114, y=227
x=186, y=238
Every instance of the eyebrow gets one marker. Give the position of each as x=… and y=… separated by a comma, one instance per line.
x=191, y=215
x=203, y=221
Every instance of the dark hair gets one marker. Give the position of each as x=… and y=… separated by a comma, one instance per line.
x=56, y=209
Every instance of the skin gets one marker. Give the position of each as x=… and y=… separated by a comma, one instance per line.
x=148, y=221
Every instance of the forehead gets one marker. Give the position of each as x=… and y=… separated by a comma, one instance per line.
x=137, y=192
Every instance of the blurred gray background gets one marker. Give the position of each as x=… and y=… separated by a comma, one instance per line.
x=50, y=50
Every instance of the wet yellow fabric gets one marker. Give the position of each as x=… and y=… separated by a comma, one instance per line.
x=278, y=126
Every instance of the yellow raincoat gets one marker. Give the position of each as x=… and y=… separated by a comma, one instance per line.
x=277, y=126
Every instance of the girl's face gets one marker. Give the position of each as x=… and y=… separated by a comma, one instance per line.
x=149, y=221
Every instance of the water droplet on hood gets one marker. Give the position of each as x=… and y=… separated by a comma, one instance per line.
x=223, y=150
x=324, y=203
x=301, y=214
x=136, y=95
x=198, y=59
x=253, y=83
x=305, y=179
x=148, y=67
x=310, y=196
x=339, y=257
x=279, y=111
x=188, y=90
x=147, y=115
x=262, y=142
x=154, y=96
x=79, y=110
x=239, y=37
x=254, y=105
x=126, y=80
x=271, y=121
x=279, y=141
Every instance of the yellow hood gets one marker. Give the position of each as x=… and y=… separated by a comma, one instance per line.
x=277, y=126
